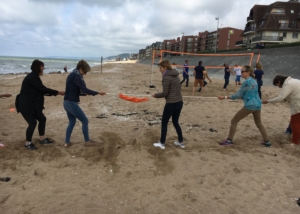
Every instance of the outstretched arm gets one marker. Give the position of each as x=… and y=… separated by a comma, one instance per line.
x=5, y=95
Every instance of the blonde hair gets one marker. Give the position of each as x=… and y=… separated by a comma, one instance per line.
x=259, y=66
x=165, y=64
x=250, y=70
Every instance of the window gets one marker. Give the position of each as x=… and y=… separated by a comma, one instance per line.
x=294, y=23
x=295, y=36
x=278, y=11
x=284, y=34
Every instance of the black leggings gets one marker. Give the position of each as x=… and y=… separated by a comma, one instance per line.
x=171, y=110
x=31, y=120
x=259, y=84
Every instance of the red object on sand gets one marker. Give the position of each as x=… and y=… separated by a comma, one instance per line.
x=133, y=99
x=1, y=145
x=12, y=109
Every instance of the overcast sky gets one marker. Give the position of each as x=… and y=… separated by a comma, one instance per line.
x=94, y=28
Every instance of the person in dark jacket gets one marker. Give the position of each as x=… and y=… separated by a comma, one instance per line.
x=172, y=94
x=76, y=86
x=30, y=103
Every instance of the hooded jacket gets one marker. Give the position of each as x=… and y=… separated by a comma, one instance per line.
x=171, y=87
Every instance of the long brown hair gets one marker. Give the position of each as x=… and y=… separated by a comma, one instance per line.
x=279, y=79
x=165, y=64
x=250, y=70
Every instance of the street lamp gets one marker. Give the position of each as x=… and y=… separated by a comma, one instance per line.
x=217, y=18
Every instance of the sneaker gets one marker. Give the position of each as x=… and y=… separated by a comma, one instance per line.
x=287, y=132
x=67, y=145
x=226, y=143
x=181, y=145
x=90, y=143
x=266, y=144
x=46, y=141
x=31, y=146
x=160, y=145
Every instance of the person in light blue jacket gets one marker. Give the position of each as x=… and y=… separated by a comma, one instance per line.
x=252, y=105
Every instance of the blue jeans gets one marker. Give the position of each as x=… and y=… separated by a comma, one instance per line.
x=226, y=82
x=74, y=111
x=238, y=78
x=171, y=110
x=185, y=77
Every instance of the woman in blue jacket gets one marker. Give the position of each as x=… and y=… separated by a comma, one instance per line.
x=75, y=86
x=252, y=105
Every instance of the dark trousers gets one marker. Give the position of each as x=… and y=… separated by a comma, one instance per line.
x=289, y=129
x=205, y=83
x=185, y=77
x=31, y=120
x=259, y=84
x=226, y=82
x=171, y=110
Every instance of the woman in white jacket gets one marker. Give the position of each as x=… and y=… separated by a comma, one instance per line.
x=291, y=93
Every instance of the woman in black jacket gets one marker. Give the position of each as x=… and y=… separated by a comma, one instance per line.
x=30, y=102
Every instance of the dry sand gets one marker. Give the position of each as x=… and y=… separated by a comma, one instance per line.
x=124, y=173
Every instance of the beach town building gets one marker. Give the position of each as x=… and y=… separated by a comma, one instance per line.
x=276, y=23
x=148, y=51
x=142, y=54
x=221, y=39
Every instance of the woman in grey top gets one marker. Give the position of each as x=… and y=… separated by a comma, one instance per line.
x=172, y=94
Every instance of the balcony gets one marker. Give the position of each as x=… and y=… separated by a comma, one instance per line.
x=284, y=25
x=250, y=19
x=240, y=43
x=249, y=30
x=267, y=39
x=210, y=43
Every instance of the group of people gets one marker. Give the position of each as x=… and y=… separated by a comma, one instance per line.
x=30, y=102
x=249, y=92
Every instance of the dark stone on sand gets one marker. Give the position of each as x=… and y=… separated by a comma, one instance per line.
x=298, y=201
x=55, y=72
x=5, y=179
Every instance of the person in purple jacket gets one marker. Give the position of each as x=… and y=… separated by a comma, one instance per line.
x=75, y=86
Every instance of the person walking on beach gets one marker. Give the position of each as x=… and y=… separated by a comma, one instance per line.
x=75, y=85
x=226, y=75
x=198, y=74
x=65, y=69
x=30, y=103
x=237, y=71
x=185, y=73
x=205, y=76
x=291, y=93
x=172, y=94
x=252, y=105
x=258, y=76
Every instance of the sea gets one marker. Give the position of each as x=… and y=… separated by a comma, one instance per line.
x=9, y=64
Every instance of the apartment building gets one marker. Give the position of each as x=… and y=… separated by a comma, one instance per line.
x=272, y=24
x=142, y=53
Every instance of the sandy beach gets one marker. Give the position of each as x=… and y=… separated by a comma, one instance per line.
x=124, y=173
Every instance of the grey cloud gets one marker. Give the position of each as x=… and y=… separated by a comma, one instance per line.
x=95, y=28
x=100, y=3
